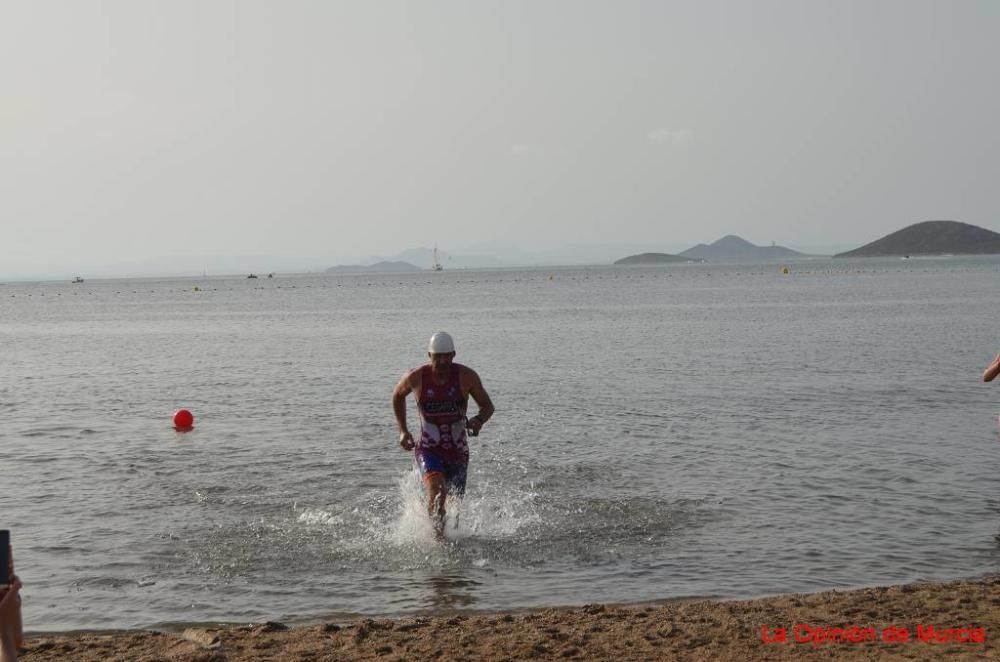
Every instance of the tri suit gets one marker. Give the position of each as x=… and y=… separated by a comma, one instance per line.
x=443, y=447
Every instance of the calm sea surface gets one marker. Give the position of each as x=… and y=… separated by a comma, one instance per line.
x=690, y=430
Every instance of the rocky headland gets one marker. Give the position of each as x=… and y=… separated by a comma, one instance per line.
x=932, y=238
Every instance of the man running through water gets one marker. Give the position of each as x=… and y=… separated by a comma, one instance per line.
x=442, y=389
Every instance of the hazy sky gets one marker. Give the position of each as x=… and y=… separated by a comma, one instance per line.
x=131, y=130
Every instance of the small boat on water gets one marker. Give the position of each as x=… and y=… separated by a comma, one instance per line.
x=77, y=280
x=437, y=265
x=252, y=276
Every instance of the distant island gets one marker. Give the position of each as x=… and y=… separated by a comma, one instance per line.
x=932, y=238
x=652, y=258
x=736, y=249
x=728, y=249
x=377, y=268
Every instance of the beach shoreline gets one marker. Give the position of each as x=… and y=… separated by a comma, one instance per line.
x=958, y=619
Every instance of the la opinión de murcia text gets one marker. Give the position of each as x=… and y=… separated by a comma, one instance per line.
x=822, y=635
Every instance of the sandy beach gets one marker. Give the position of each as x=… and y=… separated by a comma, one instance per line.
x=956, y=620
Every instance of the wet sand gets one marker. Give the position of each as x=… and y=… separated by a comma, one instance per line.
x=871, y=623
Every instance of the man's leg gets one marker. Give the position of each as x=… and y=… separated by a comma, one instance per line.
x=457, y=474
x=433, y=470
x=436, y=494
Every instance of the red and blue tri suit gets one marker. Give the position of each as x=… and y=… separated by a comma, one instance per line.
x=443, y=447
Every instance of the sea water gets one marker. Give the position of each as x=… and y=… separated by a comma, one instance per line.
x=678, y=431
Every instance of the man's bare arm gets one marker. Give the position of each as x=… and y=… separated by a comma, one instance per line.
x=481, y=397
x=406, y=385
x=992, y=370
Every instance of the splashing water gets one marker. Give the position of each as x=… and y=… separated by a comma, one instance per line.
x=392, y=529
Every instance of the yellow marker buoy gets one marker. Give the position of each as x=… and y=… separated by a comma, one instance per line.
x=784, y=270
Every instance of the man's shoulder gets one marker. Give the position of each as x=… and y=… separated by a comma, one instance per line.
x=465, y=371
x=412, y=375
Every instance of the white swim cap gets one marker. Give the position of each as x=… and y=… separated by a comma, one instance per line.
x=441, y=343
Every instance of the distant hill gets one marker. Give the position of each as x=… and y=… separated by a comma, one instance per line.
x=736, y=249
x=425, y=258
x=932, y=238
x=652, y=258
x=377, y=268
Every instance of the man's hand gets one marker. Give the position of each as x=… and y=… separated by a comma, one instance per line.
x=475, y=424
x=10, y=599
x=406, y=440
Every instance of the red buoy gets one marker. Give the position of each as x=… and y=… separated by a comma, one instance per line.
x=183, y=420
